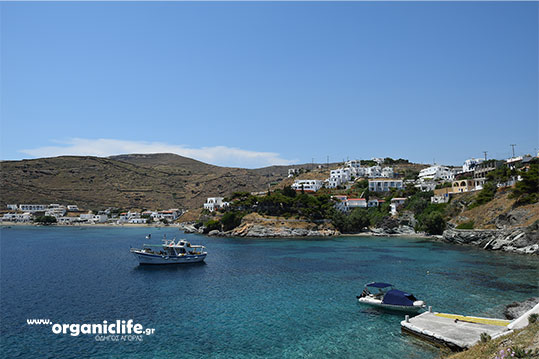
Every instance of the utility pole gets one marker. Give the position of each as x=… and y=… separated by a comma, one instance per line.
x=328, y=161
x=513, y=146
x=485, y=152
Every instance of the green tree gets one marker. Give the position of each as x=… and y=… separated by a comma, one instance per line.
x=434, y=223
x=526, y=191
x=485, y=195
x=45, y=220
x=231, y=220
x=357, y=220
x=289, y=192
x=211, y=225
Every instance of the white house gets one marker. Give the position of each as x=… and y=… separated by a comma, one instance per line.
x=307, y=185
x=12, y=207
x=345, y=204
x=212, y=203
x=33, y=207
x=86, y=216
x=138, y=220
x=72, y=207
x=339, y=176
x=353, y=164
x=395, y=203
x=387, y=172
x=100, y=218
x=55, y=212
x=384, y=184
x=66, y=220
x=436, y=173
x=17, y=217
x=469, y=165
x=292, y=172
x=352, y=203
x=374, y=171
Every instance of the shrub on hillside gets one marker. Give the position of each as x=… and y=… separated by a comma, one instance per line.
x=485, y=195
x=231, y=220
x=527, y=190
x=45, y=219
x=434, y=223
x=466, y=225
x=212, y=225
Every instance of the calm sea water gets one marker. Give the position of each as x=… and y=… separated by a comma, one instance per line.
x=252, y=298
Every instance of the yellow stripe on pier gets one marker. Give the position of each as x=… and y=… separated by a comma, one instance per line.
x=498, y=322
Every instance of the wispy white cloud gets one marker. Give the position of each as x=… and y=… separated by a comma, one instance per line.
x=103, y=147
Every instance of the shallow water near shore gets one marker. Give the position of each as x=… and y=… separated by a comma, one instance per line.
x=267, y=298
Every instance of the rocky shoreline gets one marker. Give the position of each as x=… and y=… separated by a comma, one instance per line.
x=516, y=240
x=516, y=309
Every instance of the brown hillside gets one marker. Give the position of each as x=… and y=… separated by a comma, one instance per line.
x=127, y=181
x=499, y=213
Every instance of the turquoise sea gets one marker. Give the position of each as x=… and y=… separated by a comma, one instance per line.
x=274, y=298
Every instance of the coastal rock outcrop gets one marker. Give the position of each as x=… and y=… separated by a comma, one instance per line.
x=516, y=309
x=518, y=240
x=257, y=230
x=257, y=226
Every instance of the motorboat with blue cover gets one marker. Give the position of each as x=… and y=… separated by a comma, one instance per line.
x=384, y=295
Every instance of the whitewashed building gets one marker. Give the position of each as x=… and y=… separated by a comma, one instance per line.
x=12, y=207
x=470, y=164
x=374, y=171
x=55, y=212
x=86, y=216
x=138, y=221
x=17, y=217
x=33, y=207
x=292, y=172
x=384, y=184
x=387, y=172
x=339, y=176
x=307, y=185
x=395, y=203
x=352, y=203
x=436, y=173
x=212, y=203
x=72, y=207
x=100, y=218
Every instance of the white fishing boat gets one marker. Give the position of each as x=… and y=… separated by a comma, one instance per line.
x=170, y=252
x=383, y=295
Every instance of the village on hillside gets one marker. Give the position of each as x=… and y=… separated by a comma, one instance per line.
x=443, y=181
x=376, y=176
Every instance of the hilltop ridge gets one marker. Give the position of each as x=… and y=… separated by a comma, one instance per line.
x=127, y=181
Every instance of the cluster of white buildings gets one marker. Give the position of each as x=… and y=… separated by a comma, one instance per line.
x=26, y=212
x=71, y=214
x=345, y=204
x=307, y=185
x=353, y=169
x=134, y=217
x=342, y=176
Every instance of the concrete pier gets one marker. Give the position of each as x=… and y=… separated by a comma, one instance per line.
x=454, y=331
x=459, y=332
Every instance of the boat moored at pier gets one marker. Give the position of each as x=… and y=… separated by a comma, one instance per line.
x=384, y=295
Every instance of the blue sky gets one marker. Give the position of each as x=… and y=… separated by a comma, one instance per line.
x=252, y=84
